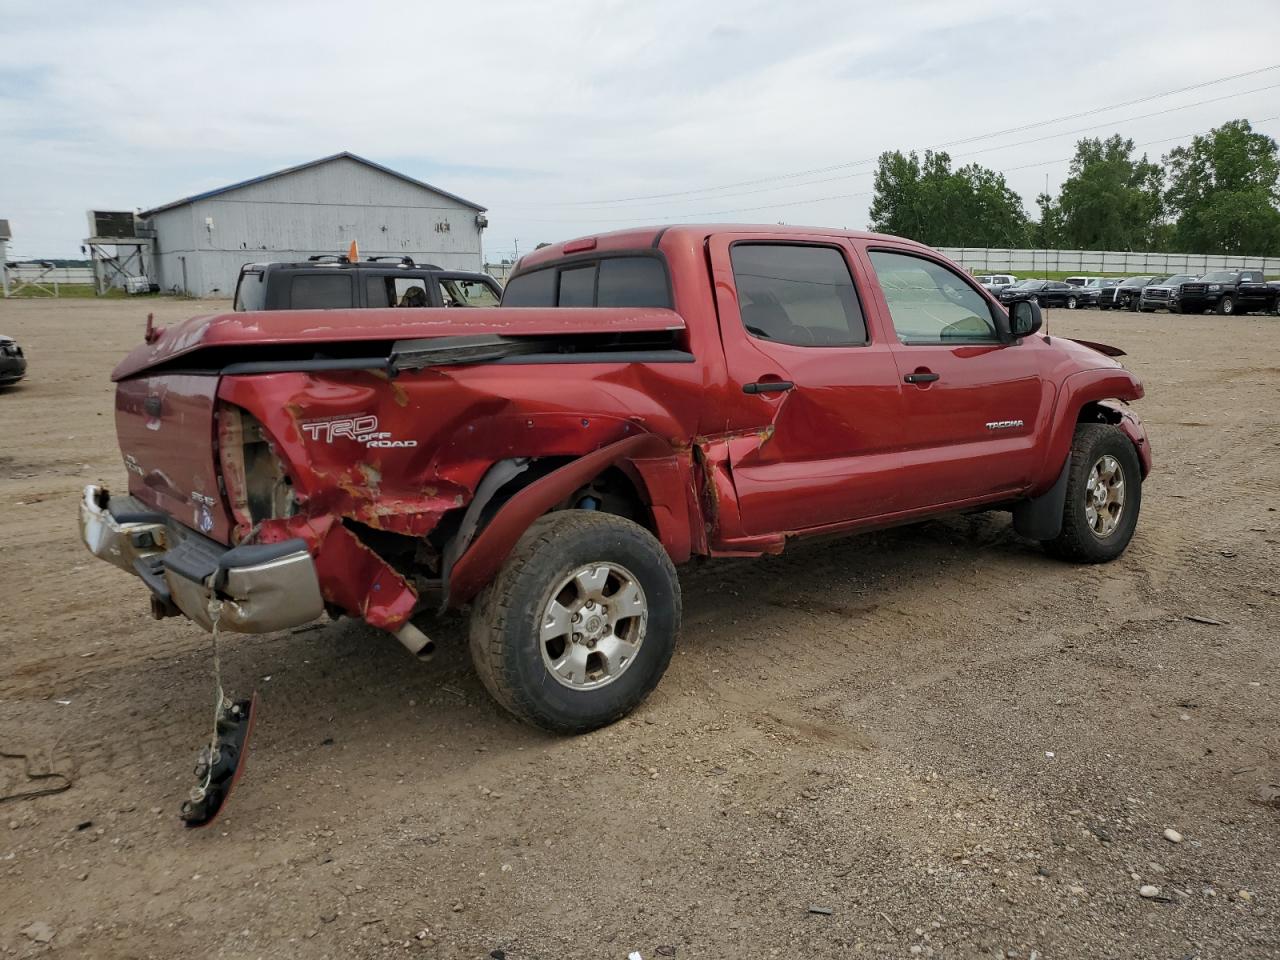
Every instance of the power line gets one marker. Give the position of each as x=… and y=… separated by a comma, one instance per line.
x=950, y=143
x=1003, y=146
x=711, y=214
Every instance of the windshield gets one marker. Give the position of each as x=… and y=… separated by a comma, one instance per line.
x=1176, y=278
x=1027, y=284
x=1221, y=276
x=1135, y=281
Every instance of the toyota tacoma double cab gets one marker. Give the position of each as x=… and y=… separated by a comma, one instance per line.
x=639, y=399
x=1225, y=292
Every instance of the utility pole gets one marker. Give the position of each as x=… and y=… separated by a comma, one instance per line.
x=517, y=243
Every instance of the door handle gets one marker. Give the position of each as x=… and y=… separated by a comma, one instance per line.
x=921, y=377
x=768, y=386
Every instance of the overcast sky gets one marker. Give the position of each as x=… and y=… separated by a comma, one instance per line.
x=538, y=109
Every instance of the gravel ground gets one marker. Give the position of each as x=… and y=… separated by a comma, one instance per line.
x=933, y=741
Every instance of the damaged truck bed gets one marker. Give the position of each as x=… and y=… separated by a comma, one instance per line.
x=638, y=399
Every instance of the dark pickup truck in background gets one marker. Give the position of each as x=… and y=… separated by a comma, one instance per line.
x=1125, y=294
x=339, y=283
x=1226, y=292
x=1159, y=295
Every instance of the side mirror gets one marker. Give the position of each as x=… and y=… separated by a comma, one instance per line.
x=1025, y=318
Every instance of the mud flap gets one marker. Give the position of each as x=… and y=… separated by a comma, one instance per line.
x=1040, y=518
x=220, y=765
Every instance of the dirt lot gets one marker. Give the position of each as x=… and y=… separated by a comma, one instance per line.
x=951, y=744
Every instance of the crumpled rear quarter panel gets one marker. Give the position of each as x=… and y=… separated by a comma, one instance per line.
x=398, y=454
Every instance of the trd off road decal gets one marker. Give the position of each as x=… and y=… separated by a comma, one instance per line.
x=361, y=429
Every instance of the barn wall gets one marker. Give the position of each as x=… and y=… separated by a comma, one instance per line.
x=317, y=210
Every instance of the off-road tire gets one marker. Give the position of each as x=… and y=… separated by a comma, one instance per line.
x=1077, y=542
x=504, y=635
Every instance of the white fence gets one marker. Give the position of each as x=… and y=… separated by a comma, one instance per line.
x=1087, y=262
x=26, y=271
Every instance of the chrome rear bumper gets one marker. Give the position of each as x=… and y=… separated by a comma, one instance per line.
x=262, y=587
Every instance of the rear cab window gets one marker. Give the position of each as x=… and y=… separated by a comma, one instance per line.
x=622, y=280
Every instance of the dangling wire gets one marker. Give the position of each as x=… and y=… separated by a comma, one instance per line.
x=219, y=699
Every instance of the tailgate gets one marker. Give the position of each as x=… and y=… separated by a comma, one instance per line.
x=165, y=424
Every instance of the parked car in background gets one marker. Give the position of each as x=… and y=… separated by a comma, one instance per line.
x=1047, y=293
x=1124, y=295
x=1082, y=281
x=338, y=283
x=1159, y=295
x=1227, y=292
x=13, y=365
x=995, y=282
x=1091, y=292
x=1275, y=296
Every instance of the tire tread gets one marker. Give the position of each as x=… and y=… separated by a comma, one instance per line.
x=494, y=608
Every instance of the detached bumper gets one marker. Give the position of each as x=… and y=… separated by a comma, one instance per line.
x=262, y=587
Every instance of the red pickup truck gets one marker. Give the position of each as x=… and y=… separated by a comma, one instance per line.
x=639, y=398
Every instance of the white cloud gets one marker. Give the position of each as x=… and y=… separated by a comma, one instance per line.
x=533, y=108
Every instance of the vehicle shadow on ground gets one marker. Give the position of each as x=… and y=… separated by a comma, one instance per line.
x=344, y=684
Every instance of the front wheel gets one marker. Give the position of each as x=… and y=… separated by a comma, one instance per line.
x=1104, y=496
x=580, y=623
x=1226, y=306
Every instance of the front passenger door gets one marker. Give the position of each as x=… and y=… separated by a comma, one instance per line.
x=971, y=400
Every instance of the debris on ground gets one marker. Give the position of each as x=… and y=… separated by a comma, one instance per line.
x=39, y=931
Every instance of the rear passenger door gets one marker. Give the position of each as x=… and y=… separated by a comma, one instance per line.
x=813, y=407
x=971, y=400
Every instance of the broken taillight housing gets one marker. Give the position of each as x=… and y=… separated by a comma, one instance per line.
x=255, y=481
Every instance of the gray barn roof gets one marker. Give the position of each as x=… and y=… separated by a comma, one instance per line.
x=345, y=154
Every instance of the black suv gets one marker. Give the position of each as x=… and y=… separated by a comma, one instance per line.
x=336, y=282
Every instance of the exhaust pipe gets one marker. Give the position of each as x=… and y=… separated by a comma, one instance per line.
x=416, y=642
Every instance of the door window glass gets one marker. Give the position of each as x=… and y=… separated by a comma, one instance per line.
x=330, y=291
x=801, y=295
x=457, y=292
x=929, y=303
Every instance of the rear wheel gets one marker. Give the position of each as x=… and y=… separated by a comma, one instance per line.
x=1104, y=496
x=1071, y=303
x=580, y=623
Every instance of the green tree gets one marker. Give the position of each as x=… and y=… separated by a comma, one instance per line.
x=1046, y=233
x=926, y=200
x=1224, y=188
x=1110, y=199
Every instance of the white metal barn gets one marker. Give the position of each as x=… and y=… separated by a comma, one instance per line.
x=314, y=208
